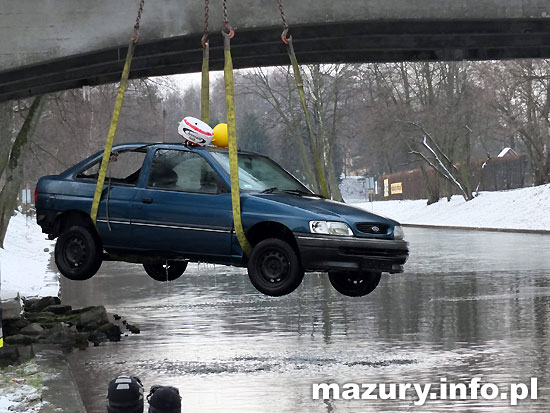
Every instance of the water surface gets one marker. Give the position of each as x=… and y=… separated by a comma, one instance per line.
x=469, y=304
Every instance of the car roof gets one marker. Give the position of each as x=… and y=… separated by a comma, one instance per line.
x=168, y=145
x=155, y=145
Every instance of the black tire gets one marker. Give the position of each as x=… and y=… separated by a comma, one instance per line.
x=165, y=270
x=274, y=268
x=78, y=253
x=354, y=284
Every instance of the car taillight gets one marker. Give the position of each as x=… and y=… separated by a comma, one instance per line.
x=35, y=195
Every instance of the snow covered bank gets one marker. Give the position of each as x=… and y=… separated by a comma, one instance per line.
x=522, y=209
x=24, y=260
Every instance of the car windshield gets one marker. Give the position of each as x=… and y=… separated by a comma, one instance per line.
x=259, y=173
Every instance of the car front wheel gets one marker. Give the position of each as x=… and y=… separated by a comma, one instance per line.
x=78, y=253
x=274, y=268
x=166, y=270
x=354, y=284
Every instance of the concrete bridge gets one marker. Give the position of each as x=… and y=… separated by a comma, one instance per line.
x=52, y=45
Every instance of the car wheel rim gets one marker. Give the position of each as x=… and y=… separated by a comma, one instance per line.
x=355, y=281
x=274, y=267
x=76, y=252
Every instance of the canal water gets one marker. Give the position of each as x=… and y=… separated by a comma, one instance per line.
x=470, y=304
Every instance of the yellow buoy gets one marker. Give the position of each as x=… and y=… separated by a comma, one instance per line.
x=220, y=135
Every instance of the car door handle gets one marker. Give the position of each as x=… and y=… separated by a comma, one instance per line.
x=147, y=200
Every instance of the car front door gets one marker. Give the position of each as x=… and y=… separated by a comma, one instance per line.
x=183, y=207
x=114, y=212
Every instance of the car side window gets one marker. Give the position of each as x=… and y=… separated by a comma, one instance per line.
x=92, y=172
x=124, y=168
x=182, y=171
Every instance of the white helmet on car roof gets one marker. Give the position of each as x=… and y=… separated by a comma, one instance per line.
x=195, y=131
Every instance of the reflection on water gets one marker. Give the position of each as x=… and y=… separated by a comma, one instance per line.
x=470, y=304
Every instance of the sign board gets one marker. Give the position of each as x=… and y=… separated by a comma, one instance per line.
x=386, y=187
x=26, y=196
x=397, y=188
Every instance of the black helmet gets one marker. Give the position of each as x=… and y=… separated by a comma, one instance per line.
x=125, y=395
x=164, y=399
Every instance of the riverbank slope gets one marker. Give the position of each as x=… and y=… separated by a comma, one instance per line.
x=519, y=209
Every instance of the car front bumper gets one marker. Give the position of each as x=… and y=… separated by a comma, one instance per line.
x=326, y=253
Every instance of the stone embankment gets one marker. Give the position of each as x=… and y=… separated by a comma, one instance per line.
x=46, y=321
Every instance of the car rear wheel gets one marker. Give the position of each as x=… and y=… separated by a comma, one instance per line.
x=166, y=270
x=274, y=268
x=354, y=284
x=78, y=253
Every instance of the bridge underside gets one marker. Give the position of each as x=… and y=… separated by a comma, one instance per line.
x=355, y=42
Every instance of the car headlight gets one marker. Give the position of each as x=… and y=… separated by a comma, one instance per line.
x=330, y=228
x=398, y=232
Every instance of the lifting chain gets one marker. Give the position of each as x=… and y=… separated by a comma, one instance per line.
x=285, y=24
x=138, y=21
x=204, y=39
x=230, y=32
x=225, y=20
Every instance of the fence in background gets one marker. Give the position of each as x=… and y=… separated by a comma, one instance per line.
x=499, y=174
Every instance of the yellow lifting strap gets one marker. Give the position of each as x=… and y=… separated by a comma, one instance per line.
x=205, y=88
x=114, y=119
x=287, y=40
x=232, y=138
x=300, y=86
x=205, y=84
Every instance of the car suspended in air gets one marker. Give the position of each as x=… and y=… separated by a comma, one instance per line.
x=164, y=205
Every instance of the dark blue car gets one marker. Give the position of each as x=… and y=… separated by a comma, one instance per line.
x=164, y=205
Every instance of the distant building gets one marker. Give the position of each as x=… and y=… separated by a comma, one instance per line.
x=508, y=153
x=508, y=170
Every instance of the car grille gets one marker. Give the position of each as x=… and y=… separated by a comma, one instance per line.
x=400, y=256
x=372, y=252
x=372, y=228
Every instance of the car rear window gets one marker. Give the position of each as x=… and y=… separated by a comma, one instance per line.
x=124, y=168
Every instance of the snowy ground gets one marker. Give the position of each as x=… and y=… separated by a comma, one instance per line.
x=24, y=260
x=525, y=208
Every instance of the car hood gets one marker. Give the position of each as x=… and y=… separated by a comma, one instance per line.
x=326, y=209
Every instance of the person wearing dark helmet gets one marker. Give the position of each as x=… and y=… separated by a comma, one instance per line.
x=164, y=399
x=125, y=395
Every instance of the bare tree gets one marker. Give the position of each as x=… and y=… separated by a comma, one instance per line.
x=435, y=112
x=521, y=96
x=328, y=92
x=11, y=171
x=277, y=89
